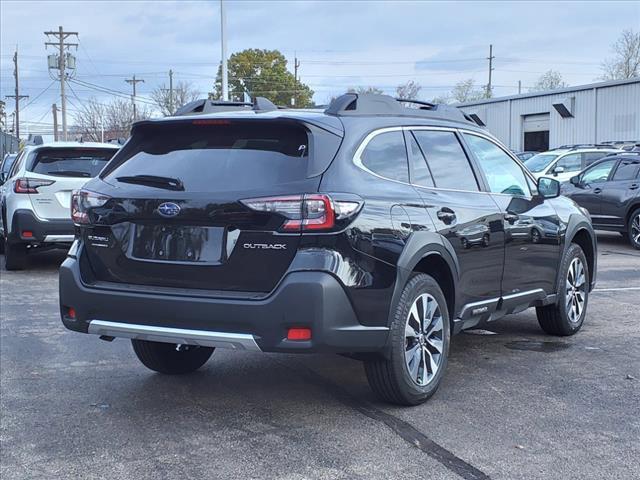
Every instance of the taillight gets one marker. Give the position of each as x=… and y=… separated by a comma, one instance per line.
x=82, y=201
x=303, y=213
x=30, y=185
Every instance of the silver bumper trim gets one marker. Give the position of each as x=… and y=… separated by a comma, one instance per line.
x=59, y=238
x=202, y=338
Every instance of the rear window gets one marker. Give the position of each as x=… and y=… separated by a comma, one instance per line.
x=216, y=155
x=71, y=162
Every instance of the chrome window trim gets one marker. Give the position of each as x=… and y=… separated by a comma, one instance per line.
x=357, y=160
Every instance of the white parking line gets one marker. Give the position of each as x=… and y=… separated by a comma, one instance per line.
x=616, y=289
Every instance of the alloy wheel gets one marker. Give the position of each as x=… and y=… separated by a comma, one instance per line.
x=424, y=339
x=635, y=230
x=576, y=285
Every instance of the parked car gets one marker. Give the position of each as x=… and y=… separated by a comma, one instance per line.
x=36, y=194
x=369, y=229
x=6, y=164
x=610, y=190
x=565, y=162
x=526, y=155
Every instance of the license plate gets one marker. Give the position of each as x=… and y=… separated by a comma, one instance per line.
x=177, y=244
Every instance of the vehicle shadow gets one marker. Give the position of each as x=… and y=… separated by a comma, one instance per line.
x=43, y=261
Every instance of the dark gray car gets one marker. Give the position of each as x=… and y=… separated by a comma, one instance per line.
x=610, y=190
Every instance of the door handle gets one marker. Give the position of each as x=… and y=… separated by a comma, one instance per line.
x=511, y=217
x=446, y=215
x=633, y=186
x=597, y=190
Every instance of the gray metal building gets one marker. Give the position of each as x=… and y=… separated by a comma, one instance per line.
x=596, y=113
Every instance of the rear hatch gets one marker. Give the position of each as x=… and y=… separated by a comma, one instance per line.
x=175, y=216
x=58, y=172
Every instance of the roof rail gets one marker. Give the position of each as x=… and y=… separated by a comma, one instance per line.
x=353, y=104
x=577, y=146
x=259, y=104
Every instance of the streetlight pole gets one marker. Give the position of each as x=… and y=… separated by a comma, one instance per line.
x=223, y=43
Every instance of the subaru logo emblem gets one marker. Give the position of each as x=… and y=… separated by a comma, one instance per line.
x=169, y=209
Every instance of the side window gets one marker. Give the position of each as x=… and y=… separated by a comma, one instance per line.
x=419, y=171
x=590, y=157
x=446, y=159
x=598, y=173
x=571, y=162
x=386, y=155
x=17, y=164
x=627, y=170
x=503, y=174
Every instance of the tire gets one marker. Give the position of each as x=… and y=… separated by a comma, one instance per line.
x=399, y=381
x=15, y=255
x=166, y=358
x=633, y=229
x=567, y=315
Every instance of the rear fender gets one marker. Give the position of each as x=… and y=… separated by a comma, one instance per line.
x=419, y=246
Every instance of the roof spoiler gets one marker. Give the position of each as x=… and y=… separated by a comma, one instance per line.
x=259, y=104
x=353, y=104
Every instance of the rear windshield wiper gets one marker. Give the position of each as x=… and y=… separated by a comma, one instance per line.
x=167, y=183
x=69, y=173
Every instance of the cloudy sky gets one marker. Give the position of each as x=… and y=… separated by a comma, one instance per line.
x=339, y=44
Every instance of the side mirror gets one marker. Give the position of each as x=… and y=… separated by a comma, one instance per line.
x=575, y=180
x=548, y=187
x=558, y=170
x=3, y=178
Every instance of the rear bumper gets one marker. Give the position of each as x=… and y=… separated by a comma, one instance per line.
x=42, y=231
x=312, y=299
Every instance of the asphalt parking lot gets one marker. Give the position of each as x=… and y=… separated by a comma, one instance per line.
x=515, y=404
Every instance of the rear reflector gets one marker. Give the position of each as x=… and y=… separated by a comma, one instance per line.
x=71, y=312
x=299, y=334
x=27, y=234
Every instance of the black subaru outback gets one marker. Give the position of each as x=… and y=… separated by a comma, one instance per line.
x=375, y=228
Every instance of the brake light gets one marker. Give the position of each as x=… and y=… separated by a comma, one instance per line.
x=30, y=185
x=309, y=212
x=82, y=201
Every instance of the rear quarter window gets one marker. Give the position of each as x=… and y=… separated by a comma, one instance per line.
x=386, y=155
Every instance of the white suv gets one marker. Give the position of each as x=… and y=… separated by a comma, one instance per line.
x=35, y=195
x=565, y=162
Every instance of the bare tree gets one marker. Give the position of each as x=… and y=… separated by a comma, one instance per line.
x=466, y=91
x=183, y=93
x=625, y=62
x=361, y=90
x=89, y=121
x=441, y=99
x=550, y=80
x=113, y=119
x=408, y=90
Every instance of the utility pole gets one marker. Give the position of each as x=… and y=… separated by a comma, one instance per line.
x=17, y=96
x=62, y=45
x=133, y=81
x=490, y=58
x=170, y=92
x=519, y=87
x=223, y=44
x=296, y=65
x=54, y=111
